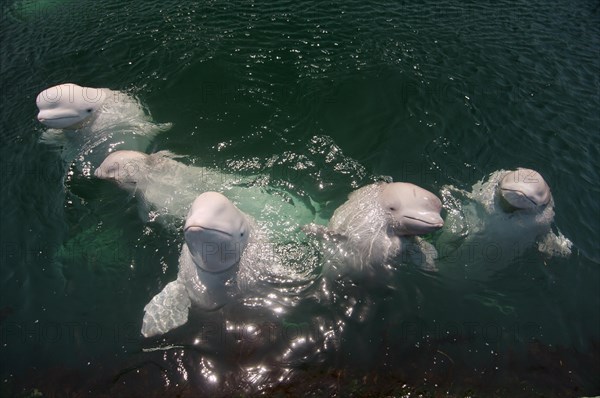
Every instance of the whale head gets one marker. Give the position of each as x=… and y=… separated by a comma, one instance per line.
x=413, y=210
x=125, y=167
x=525, y=189
x=68, y=106
x=216, y=232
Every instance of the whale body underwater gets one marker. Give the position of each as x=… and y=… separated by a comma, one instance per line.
x=166, y=187
x=89, y=123
x=505, y=214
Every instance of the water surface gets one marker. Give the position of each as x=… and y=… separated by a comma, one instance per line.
x=322, y=98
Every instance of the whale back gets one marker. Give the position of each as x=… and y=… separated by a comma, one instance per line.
x=69, y=106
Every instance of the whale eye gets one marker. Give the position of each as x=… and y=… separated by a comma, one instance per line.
x=89, y=110
x=392, y=208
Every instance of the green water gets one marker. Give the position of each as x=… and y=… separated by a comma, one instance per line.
x=327, y=97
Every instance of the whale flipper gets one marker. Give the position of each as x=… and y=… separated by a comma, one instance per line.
x=555, y=245
x=421, y=253
x=167, y=310
x=154, y=129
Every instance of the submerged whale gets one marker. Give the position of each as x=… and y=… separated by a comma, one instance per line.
x=224, y=254
x=500, y=218
x=166, y=187
x=381, y=223
x=89, y=123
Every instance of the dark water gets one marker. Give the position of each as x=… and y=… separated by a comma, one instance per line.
x=326, y=97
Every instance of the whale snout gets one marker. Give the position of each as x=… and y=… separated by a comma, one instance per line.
x=421, y=223
x=216, y=232
x=59, y=121
x=211, y=249
x=198, y=229
x=430, y=221
x=42, y=116
x=99, y=174
x=525, y=189
x=518, y=199
x=433, y=219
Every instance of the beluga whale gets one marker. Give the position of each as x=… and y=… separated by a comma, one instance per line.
x=379, y=224
x=222, y=255
x=89, y=123
x=166, y=186
x=502, y=216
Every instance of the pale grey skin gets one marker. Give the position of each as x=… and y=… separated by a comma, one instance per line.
x=529, y=194
x=381, y=222
x=225, y=254
x=525, y=189
x=166, y=187
x=69, y=106
x=216, y=236
x=89, y=123
x=511, y=211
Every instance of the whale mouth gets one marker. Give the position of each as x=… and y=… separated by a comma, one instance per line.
x=57, y=118
x=521, y=194
x=198, y=228
x=62, y=122
x=419, y=224
x=433, y=224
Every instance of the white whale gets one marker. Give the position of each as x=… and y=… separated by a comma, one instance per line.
x=500, y=218
x=88, y=123
x=381, y=222
x=166, y=187
x=223, y=254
